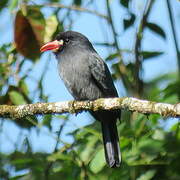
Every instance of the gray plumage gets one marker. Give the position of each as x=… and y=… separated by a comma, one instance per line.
x=87, y=77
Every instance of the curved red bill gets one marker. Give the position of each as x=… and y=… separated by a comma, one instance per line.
x=54, y=45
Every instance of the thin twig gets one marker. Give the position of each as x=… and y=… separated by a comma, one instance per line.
x=122, y=67
x=113, y=29
x=50, y=164
x=59, y=134
x=75, y=8
x=174, y=33
x=137, y=47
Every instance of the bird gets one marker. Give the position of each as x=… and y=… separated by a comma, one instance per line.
x=87, y=77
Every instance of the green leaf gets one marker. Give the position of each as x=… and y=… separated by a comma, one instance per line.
x=59, y=156
x=13, y=4
x=19, y=177
x=150, y=54
x=132, y=156
x=172, y=89
x=89, y=148
x=51, y=27
x=63, y=117
x=16, y=98
x=23, y=86
x=147, y=175
x=98, y=162
x=129, y=22
x=47, y=120
x=77, y=2
x=176, y=128
x=3, y=4
x=93, y=131
x=125, y=142
x=55, y=0
x=22, y=161
x=159, y=135
x=150, y=146
x=112, y=56
x=156, y=28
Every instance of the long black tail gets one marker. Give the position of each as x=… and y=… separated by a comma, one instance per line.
x=111, y=143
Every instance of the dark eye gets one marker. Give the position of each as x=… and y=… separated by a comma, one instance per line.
x=66, y=40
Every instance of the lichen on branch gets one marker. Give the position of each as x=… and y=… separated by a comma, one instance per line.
x=128, y=103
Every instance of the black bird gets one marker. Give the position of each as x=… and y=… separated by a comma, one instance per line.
x=87, y=77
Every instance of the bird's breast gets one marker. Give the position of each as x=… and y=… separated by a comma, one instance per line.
x=75, y=72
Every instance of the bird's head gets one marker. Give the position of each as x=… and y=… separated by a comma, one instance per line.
x=67, y=40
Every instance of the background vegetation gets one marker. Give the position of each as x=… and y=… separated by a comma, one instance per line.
x=145, y=61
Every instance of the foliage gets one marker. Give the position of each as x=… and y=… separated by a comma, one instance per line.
x=149, y=149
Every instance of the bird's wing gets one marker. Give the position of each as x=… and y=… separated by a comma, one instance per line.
x=101, y=76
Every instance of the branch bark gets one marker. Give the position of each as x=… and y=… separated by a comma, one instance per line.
x=128, y=103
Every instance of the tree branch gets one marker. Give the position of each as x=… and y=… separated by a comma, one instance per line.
x=131, y=104
x=75, y=8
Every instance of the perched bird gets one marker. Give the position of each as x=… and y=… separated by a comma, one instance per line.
x=87, y=77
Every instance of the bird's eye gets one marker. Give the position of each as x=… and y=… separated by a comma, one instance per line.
x=66, y=41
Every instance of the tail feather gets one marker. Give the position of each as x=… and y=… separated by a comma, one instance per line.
x=110, y=136
x=111, y=143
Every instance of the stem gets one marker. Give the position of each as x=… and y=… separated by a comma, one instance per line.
x=113, y=28
x=122, y=67
x=49, y=165
x=174, y=33
x=75, y=8
x=137, y=48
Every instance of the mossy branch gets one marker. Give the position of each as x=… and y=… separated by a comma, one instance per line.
x=128, y=103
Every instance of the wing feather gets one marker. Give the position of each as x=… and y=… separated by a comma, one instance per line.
x=101, y=76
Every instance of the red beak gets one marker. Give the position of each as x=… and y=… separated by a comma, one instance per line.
x=54, y=45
